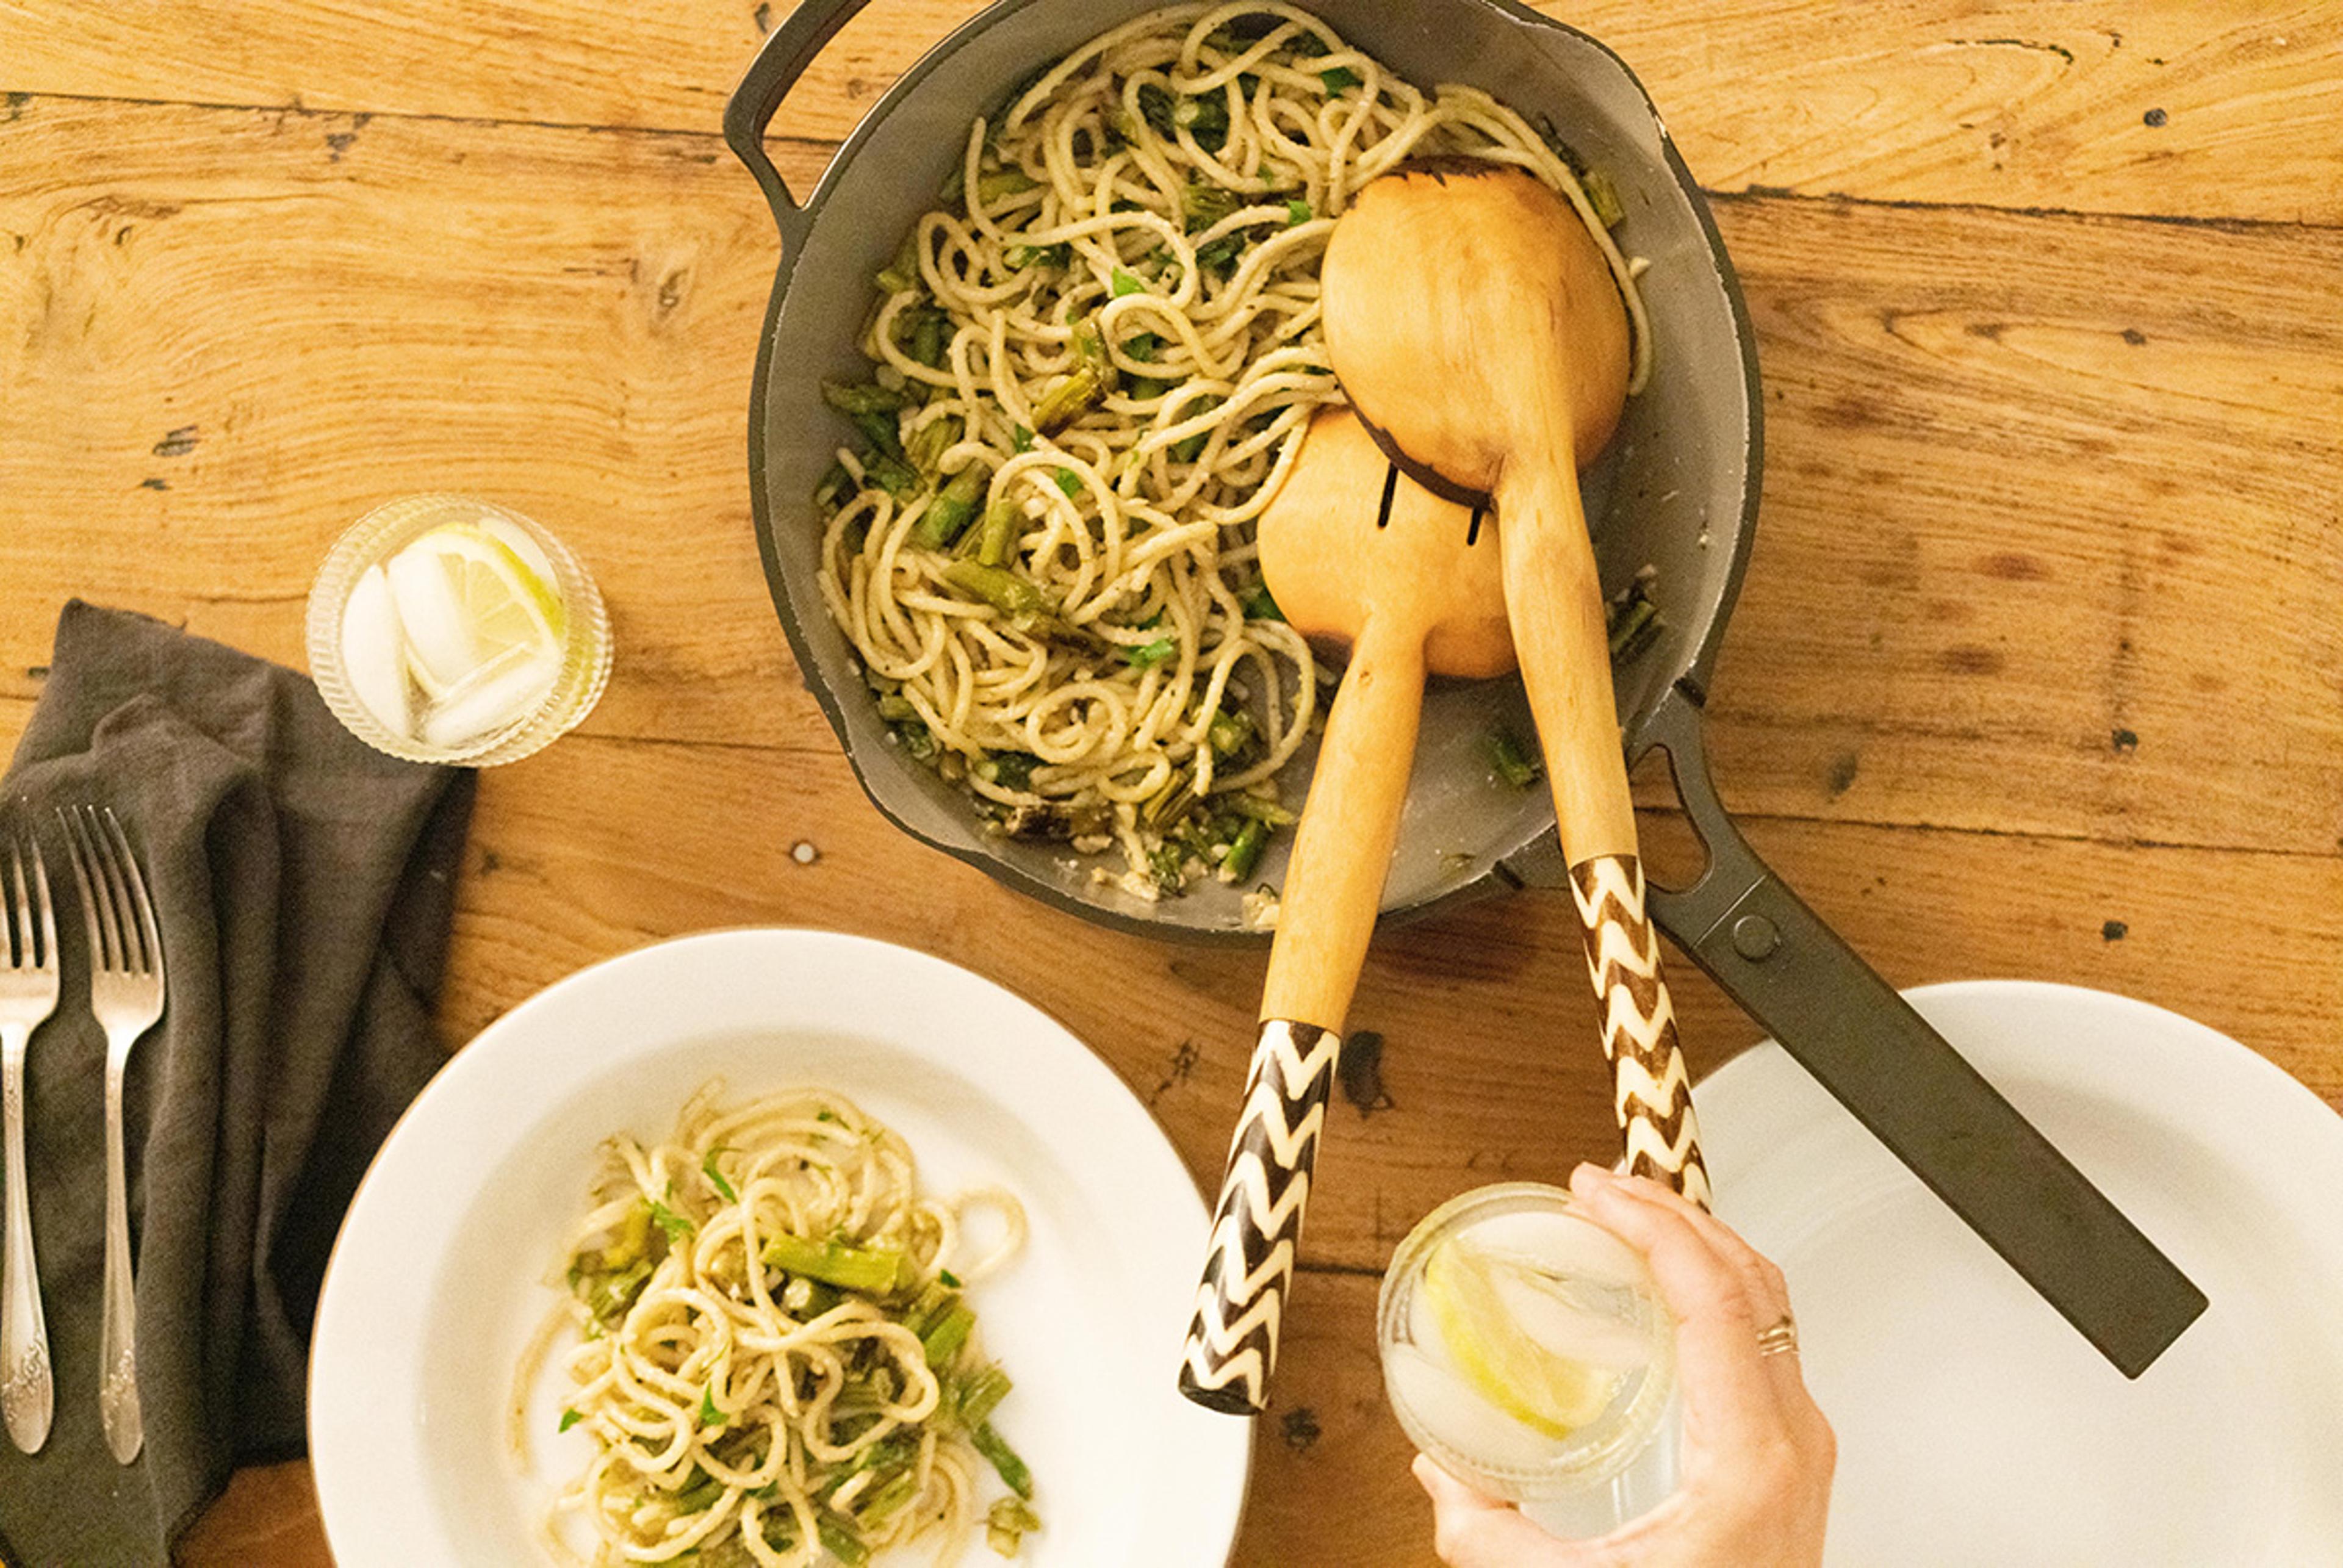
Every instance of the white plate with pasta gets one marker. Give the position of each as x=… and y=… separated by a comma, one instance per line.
x=549, y=1250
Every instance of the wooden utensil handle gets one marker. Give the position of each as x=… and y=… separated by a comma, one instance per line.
x=1333, y=888
x=1652, y=1092
x=1257, y=1229
x=1555, y=600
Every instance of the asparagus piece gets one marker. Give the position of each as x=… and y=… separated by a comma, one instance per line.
x=998, y=538
x=1244, y=850
x=1512, y=764
x=1005, y=591
x=982, y=1394
x=950, y=513
x=872, y=1271
x=1004, y=1459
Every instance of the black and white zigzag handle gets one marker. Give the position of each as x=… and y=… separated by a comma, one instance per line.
x=1257, y=1229
x=1652, y=1090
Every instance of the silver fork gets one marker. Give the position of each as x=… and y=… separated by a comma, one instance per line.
x=125, y=997
x=28, y=995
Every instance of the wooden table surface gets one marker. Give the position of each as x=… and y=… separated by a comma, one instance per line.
x=2038, y=670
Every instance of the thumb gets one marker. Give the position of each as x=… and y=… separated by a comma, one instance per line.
x=1470, y=1530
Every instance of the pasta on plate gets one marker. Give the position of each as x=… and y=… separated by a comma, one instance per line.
x=774, y=1356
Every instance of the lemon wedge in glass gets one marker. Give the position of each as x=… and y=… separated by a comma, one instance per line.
x=1504, y=1323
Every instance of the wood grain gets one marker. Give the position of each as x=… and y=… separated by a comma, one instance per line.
x=2201, y=108
x=2034, y=675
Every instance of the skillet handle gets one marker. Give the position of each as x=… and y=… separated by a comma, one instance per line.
x=794, y=46
x=1903, y=1081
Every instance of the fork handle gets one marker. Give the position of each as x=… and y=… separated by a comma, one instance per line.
x=117, y=1388
x=27, y=1396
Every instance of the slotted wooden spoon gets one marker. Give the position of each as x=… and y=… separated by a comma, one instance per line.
x=1480, y=336
x=1357, y=558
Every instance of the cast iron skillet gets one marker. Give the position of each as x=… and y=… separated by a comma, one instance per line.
x=1678, y=491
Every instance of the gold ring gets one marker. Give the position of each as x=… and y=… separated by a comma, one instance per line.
x=1781, y=1339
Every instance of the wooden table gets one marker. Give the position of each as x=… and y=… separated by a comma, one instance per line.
x=2038, y=670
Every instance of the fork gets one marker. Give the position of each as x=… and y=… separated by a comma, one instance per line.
x=28, y=995
x=125, y=997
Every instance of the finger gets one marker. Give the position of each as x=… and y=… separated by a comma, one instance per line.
x=1768, y=1291
x=1470, y=1530
x=1728, y=1391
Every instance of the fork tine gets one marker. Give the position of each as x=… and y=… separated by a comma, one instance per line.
x=20, y=918
x=114, y=913
x=85, y=874
x=147, y=935
x=46, y=910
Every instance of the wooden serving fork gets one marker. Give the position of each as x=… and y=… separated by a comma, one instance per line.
x=1479, y=334
x=1356, y=558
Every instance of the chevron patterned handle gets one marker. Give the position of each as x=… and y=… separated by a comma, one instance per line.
x=1257, y=1229
x=1652, y=1090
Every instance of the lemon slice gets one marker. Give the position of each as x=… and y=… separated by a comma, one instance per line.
x=466, y=599
x=1500, y=1319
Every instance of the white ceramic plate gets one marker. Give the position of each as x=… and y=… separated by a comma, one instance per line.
x=438, y=1277
x=1974, y=1426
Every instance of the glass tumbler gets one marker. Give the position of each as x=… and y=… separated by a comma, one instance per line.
x=1526, y=1351
x=445, y=628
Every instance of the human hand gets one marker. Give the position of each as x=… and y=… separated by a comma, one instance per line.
x=1756, y=1456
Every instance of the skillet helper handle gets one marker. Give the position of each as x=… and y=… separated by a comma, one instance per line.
x=1555, y=599
x=1652, y=1090
x=1903, y=1081
x=785, y=56
x=1333, y=889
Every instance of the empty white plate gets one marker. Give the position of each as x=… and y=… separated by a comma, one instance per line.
x=441, y=1272
x=1975, y=1425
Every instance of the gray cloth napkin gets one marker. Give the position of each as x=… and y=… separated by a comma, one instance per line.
x=302, y=884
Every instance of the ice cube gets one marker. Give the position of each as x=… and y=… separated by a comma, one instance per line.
x=1562, y=1244
x=439, y=635
x=374, y=656
x=508, y=690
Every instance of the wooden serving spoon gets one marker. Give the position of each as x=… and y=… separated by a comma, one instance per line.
x=1356, y=558
x=1479, y=334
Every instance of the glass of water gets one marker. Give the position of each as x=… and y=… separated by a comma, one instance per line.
x=1526, y=1349
x=443, y=629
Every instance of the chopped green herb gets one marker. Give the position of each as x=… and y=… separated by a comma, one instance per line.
x=946, y=1276
x=1020, y=256
x=1143, y=347
x=1148, y=655
x=676, y=1226
x=569, y=1418
x=1155, y=107
x=1124, y=282
x=709, y=1414
x=715, y=1177
x=1340, y=80
x=1068, y=481
x=1022, y=438
x=1259, y=606
x=1297, y=212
